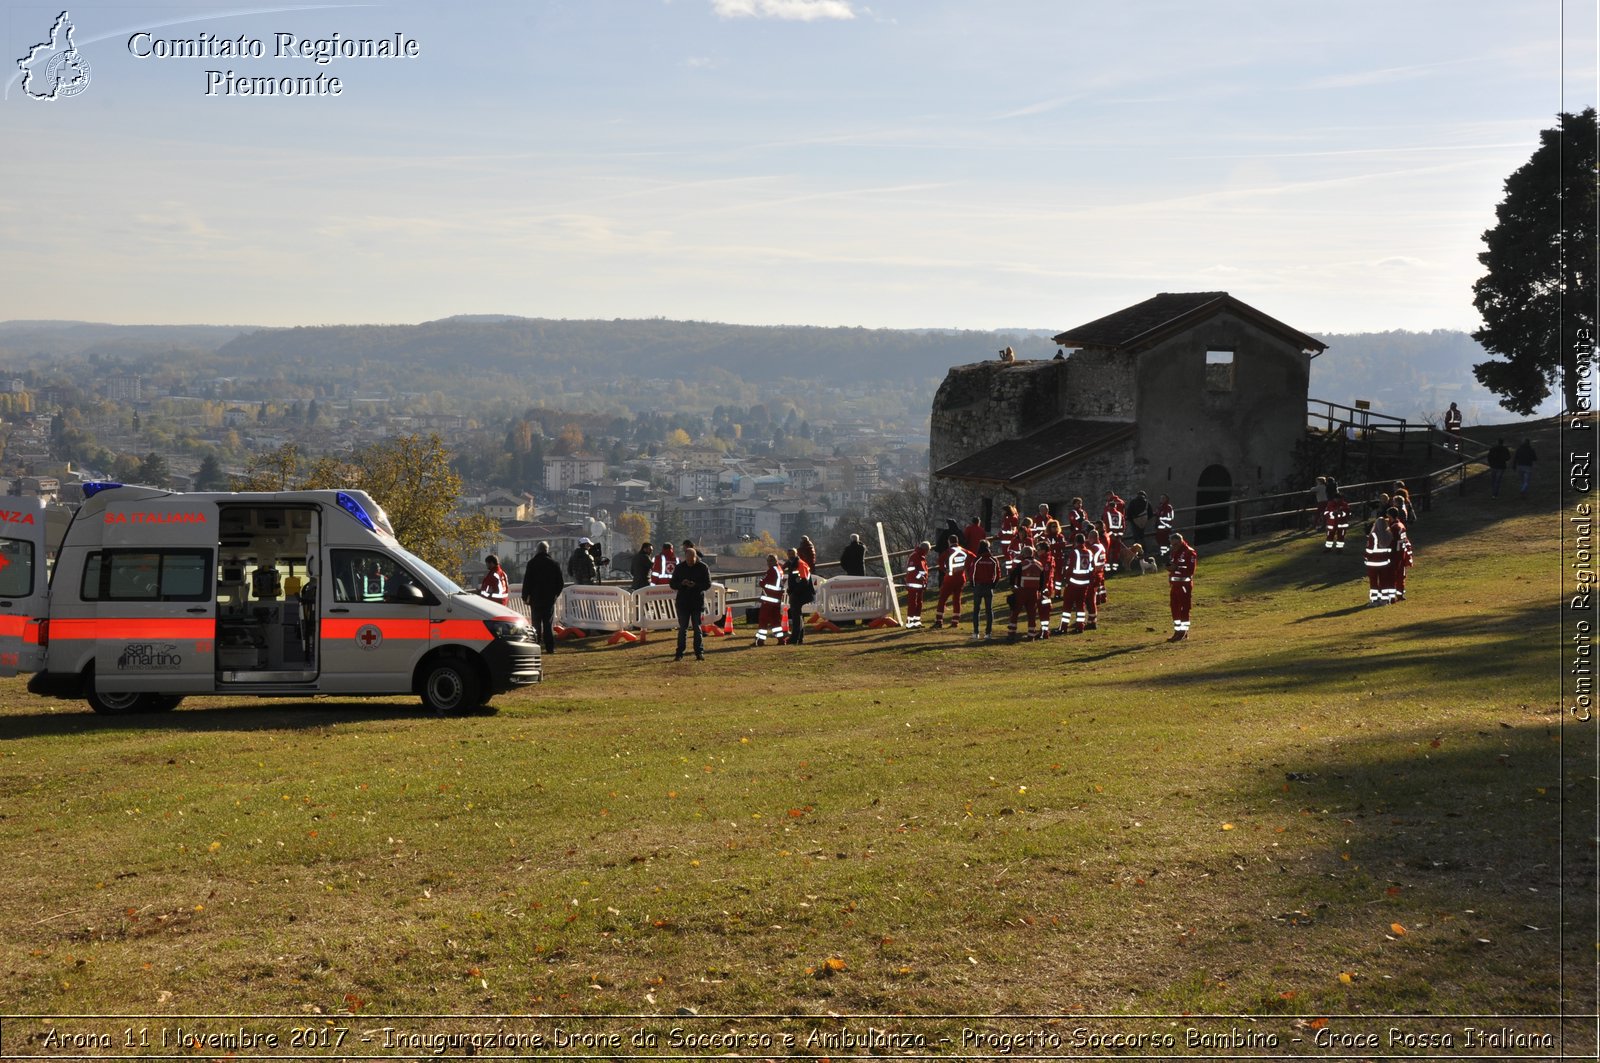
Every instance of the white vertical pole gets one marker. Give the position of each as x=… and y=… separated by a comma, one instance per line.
x=888, y=571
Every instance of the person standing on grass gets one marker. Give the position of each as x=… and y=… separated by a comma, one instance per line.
x=1524, y=459
x=952, y=578
x=639, y=567
x=769, y=618
x=986, y=571
x=495, y=586
x=853, y=558
x=692, y=580
x=541, y=586
x=1452, y=427
x=1336, y=516
x=916, y=577
x=1401, y=555
x=797, y=577
x=1378, y=549
x=1181, y=565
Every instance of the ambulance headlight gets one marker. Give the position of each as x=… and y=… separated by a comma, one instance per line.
x=510, y=630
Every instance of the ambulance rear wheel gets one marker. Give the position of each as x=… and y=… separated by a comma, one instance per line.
x=123, y=702
x=451, y=686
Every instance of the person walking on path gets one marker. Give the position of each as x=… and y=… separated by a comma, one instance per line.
x=1523, y=460
x=1499, y=459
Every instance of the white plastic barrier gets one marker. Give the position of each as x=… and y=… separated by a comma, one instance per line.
x=589, y=607
x=855, y=598
x=656, y=608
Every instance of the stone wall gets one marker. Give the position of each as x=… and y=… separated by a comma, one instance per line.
x=982, y=404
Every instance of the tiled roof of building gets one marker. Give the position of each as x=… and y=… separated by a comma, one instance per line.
x=1159, y=316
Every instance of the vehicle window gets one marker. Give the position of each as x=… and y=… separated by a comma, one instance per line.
x=147, y=576
x=16, y=568
x=367, y=576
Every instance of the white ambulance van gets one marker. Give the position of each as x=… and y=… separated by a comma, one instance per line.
x=156, y=595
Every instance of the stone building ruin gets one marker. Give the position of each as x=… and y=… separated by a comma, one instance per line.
x=1195, y=395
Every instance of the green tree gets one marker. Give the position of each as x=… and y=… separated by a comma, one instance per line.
x=153, y=471
x=1539, y=295
x=210, y=477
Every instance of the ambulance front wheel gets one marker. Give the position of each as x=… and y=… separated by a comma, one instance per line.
x=451, y=685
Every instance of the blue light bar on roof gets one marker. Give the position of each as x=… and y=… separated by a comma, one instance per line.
x=355, y=509
x=94, y=487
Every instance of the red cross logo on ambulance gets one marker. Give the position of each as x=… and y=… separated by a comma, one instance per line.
x=369, y=636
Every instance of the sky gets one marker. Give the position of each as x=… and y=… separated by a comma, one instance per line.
x=900, y=163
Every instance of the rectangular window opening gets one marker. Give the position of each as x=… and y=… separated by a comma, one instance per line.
x=1219, y=370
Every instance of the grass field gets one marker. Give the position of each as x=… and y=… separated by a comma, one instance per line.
x=1313, y=807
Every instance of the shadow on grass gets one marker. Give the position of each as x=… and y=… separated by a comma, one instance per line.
x=252, y=715
x=1478, y=646
x=1468, y=821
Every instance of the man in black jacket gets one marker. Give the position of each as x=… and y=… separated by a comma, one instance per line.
x=691, y=579
x=1499, y=458
x=640, y=567
x=541, y=586
x=853, y=559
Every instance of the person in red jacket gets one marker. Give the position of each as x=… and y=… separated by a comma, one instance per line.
x=1029, y=583
x=952, y=578
x=661, y=568
x=1113, y=522
x=1336, y=517
x=1009, y=522
x=1181, y=565
x=986, y=573
x=495, y=586
x=973, y=534
x=769, y=618
x=1077, y=518
x=1078, y=608
x=1378, y=553
x=1166, y=517
x=916, y=583
x=807, y=552
x=1401, y=556
x=1048, y=551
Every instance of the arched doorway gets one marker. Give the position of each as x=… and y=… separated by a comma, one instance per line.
x=1211, y=497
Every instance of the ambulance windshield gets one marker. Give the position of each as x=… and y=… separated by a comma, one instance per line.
x=442, y=583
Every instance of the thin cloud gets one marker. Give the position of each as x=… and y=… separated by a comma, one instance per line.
x=788, y=10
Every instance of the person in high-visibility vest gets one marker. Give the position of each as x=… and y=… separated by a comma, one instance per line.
x=1401, y=556
x=661, y=568
x=952, y=578
x=1380, y=545
x=1113, y=519
x=1181, y=567
x=769, y=619
x=1336, y=516
x=916, y=576
x=1078, y=606
x=1166, y=519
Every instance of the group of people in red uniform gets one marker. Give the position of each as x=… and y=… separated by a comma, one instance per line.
x=1387, y=552
x=1045, y=561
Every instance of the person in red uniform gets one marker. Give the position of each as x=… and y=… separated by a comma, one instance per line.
x=1336, y=515
x=1181, y=565
x=1009, y=522
x=1401, y=556
x=1166, y=517
x=1077, y=518
x=495, y=586
x=1048, y=551
x=1452, y=427
x=1029, y=583
x=1113, y=521
x=661, y=568
x=1078, y=606
x=916, y=583
x=769, y=618
x=952, y=578
x=1380, y=542
x=1100, y=547
x=973, y=534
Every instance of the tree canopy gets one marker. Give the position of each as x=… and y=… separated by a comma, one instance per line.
x=1538, y=297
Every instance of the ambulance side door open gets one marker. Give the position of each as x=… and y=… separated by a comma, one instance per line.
x=375, y=622
x=24, y=584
